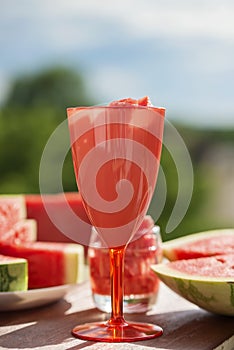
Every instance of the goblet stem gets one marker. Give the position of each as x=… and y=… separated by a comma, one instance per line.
x=117, y=286
x=117, y=329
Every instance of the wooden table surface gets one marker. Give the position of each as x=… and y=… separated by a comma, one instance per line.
x=186, y=327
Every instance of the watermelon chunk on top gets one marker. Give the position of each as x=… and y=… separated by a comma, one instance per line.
x=144, y=101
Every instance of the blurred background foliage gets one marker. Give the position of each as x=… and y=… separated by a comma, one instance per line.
x=36, y=105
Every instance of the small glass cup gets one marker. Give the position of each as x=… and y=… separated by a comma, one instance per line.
x=141, y=284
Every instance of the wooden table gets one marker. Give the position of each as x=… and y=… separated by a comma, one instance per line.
x=186, y=327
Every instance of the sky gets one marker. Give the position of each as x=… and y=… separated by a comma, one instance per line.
x=178, y=52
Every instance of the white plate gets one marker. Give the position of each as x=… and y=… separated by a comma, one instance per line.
x=31, y=298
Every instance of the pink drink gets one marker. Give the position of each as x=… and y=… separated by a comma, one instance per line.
x=116, y=154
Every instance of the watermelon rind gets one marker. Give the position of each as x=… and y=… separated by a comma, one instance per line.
x=169, y=247
x=13, y=274
x=74, y=263
x=214, y=294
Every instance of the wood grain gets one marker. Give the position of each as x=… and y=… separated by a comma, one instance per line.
x=186, y=327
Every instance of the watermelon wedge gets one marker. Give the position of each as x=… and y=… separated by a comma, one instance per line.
x=208, y=243
x=13, y=274
x=49, y=264
x=22, y=231
x=57, y=203
x=12, y=209
x=207, y=282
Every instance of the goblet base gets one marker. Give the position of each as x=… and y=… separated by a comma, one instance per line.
x=128, y=332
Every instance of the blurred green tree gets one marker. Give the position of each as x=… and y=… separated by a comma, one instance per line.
x=35, y=106
x=206, y=147
x=57, y=87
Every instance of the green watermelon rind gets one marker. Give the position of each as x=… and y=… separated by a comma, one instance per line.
x=13, y=275
x=169, y=246
x=212, y=294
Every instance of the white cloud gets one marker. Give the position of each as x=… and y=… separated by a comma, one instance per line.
x=152, y=18
x=183, y=19
x=169, y=18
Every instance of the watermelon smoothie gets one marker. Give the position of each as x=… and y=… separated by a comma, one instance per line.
x=116, y=155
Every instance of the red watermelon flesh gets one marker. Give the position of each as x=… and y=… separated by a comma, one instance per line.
x=22, y=231
x=206, y=247
x=47, y=230
x=215, y=266
x=209, y=243
x=144, y=101
x=12, y=209
x=49, y=264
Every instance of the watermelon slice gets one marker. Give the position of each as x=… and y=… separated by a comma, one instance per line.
x=49, y=264
x=12, y=209
x=48, y=230
x=22, y=231
x=207, y=282
x=13, y=274
x=201, y=244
